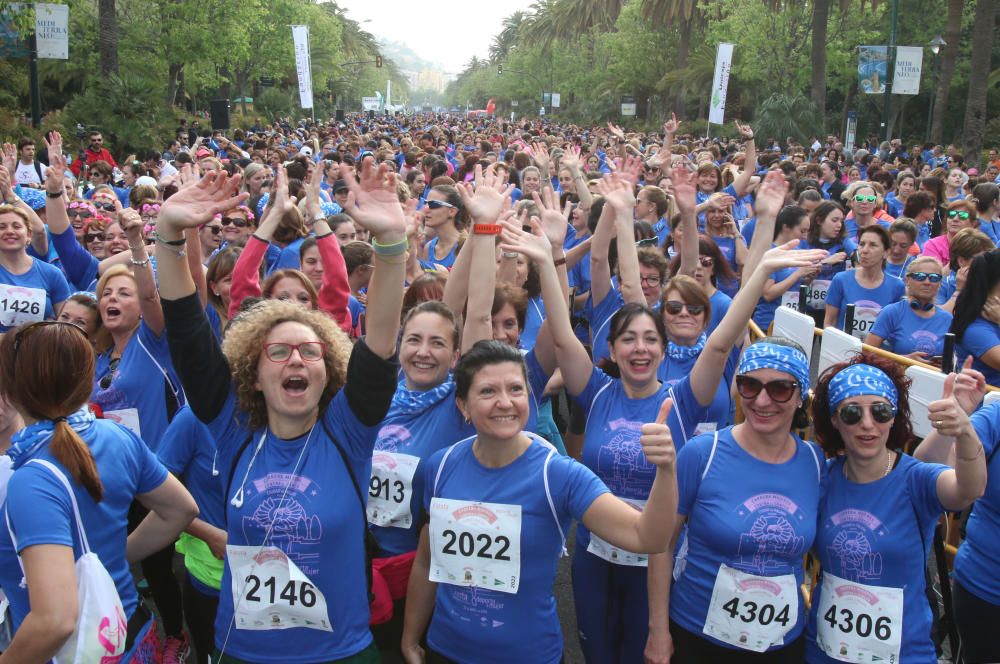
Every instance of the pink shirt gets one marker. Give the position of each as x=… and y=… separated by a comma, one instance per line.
x=938, y=247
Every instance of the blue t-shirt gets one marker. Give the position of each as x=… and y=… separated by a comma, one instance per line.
x=727, y=245
x=600, y=320
x=720, y=305
x=137, y=384
x=289, y=257
x=673, y=370
x=188, y=450
x=479, y=625
x=977, y=564
x=851, y=225
x=40, y=276
x=991, y=228
x=420, y=435
x=40, y=510
x=947, y=289
x=356, y=308
x=904, y=332
x=879, y=534
x=868, y=302
x=79, y=264
x=314, y=510
x=756, y=517
x=898, y=271
x=533, y=320
x=979, y=337
x=763, y=313
x=432, y=262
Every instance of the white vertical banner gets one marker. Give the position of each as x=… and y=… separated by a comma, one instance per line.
x=52, y=31
x=908, y=64
x=723, y=64
x=303, y=64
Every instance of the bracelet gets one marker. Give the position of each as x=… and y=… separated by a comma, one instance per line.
x=393, y=259
x=559, y=261
x=170, y=243
x=395, y=249
x=972, y=458
x=142, y=263
x=58, y=194
x=509, y=254
x=487, y=229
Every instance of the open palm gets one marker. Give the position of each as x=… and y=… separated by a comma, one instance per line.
x=196, y=205
x=373, y=202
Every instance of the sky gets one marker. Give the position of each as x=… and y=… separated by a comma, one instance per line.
x=449, y=33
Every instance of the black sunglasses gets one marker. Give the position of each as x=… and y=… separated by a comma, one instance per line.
x=215, y=229
x=83, y=214
x=674, y=307
x=105, y=382
x=780, y=391
x=91, y=237
x=882, y=412
x=105, y=206
x=234, y=221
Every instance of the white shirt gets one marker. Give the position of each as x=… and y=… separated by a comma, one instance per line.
x=26, y=173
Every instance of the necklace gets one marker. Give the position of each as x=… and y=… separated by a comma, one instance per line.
x=888, y=467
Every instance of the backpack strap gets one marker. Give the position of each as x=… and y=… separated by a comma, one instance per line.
x=552, y=506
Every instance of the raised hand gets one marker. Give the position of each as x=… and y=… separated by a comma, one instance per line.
x=746, y=131
x=617, y=131
x=970, y=387
x=131, y=222
x=657, y=443
x=54, y=176
x=720, y=201
x=771, y=195
x=617, y=192
x=196, y=204
x=947, y=415
x=571, y=158
x=6, y=184
x=280, y=202
x=672, y=125
x=10, y=157
x=534, y=245
x=485, y=200
x=373, y=203
x=685, y=188
x=554, y=222
x=991, y=310
x=631, y=168
x=786, y=255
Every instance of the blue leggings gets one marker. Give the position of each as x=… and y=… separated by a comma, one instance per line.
x=612, y=611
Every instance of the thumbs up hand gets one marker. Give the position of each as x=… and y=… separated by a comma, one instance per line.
x=946, y=414
x=970, y=387
x=657, y=443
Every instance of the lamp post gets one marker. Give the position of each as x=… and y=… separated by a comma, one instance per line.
x=935, y=45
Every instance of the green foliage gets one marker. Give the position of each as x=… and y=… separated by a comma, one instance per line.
x=273, y=102
x=782, y=115
x=130, y=109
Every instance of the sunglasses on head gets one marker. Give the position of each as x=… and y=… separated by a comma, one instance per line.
x=961, y=214
x=780, y=390
x=648, y=242
x=674, y=307
x=925, y=276
x=437, y=205
x=852, y=413
x=861, y=198
x=234, y=221
x=104, y=206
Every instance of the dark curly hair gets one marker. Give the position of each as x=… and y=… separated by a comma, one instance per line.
x=901, y=433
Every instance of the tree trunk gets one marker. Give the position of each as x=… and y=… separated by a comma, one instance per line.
x=683, y=53
x=173, y=82
x=852, y=90
x=820, y=19
x=107, y=36
x=949, y=56
x=975, y=103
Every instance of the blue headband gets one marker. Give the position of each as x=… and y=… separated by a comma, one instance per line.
x=764, y=355
x=861, y=380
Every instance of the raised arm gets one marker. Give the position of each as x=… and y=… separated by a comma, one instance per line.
x=620, y=198
x=373, y=204
x=571, y=160
x=600, y=245
x=709, y=367
x=142, y=270
x=570, y=355
x=685, y=188
x=958, y=488
x=770, y=199
x=742, y=182
x=335, y=291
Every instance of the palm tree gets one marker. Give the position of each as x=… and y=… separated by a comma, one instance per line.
x=949, y=57
x=684, y=15
x=507, y=37
x=107, y=36
x=975, y=104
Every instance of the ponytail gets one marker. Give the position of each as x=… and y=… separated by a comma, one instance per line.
x=74, y=454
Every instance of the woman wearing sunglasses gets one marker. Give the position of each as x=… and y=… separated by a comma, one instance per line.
x=868, y=287
x=294, y=410
x=782, y=288
x=79, y=213
x=445, y=217
x=976, y=333
x=711, y=266
x=878, y=507
x=748, y=496
x=916, y=325
x=863, y=200
x=960, y=214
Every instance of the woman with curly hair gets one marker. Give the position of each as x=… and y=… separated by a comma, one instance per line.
x=294, y=410
x=878, y=506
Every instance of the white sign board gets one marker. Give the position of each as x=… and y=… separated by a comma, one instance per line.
x=52, y=31
x=555, y=100
x=908, y=63
x=628, y=109
x=720, y=83
x=369, y=103
x=303, y=65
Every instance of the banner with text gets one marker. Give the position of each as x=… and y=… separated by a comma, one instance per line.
x=723, y=64
x=909, y=60
x=52, y=31
x=303, y=65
